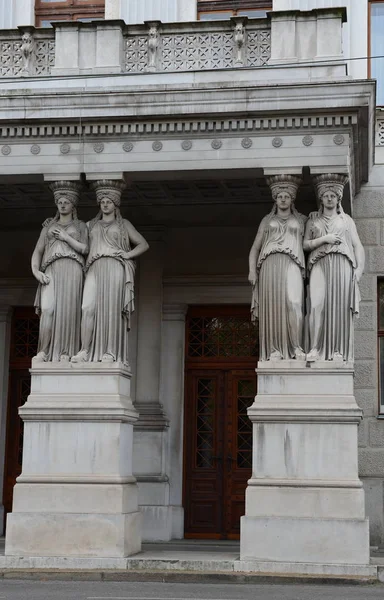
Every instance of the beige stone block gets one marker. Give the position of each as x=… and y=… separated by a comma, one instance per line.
x=367, y=401
x=369, y=204
x=369, y=231
x=365, y=344
x=374, y=260
x=362, y=434
x=365, y=374
x=371, y=462
x=368, y=287
x=376, y=433
x=367, y=319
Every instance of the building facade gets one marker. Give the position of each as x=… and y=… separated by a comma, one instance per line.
x=192, y=104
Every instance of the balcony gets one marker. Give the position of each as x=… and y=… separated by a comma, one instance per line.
x=285, y=39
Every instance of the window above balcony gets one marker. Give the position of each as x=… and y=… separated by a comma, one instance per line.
x=215, y=10
x=47, y=11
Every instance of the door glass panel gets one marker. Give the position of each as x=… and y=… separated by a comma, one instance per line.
x=205, y=415
x=222, y=337
x=246, y=390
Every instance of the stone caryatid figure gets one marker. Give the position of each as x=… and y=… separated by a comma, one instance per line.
x=335, y=265
x=57, y=264
x=276, y=272
x=108, y=299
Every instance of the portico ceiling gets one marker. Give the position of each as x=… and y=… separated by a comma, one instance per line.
x=176, y=202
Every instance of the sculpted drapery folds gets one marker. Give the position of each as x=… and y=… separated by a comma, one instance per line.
x=108, y=299
x=276, y=272
x=57, y=264
x=335, y=265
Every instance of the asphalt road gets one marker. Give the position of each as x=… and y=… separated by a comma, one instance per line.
x=88, y=590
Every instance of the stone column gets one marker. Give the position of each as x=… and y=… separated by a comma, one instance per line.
x=150, y=430
x=305, y=509
x=77, y=496
x=172, y=391
x=5, y=335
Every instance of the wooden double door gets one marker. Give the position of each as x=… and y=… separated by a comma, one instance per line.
x=220, y=386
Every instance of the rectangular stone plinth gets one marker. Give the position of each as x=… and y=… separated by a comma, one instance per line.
x=304, y=501
x=85, y=534
x=76, y=495
x=311, y=540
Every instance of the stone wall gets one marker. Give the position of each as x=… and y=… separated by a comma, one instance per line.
x=369, y=216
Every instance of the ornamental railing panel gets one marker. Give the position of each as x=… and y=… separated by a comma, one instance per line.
x=26, y=54
x=202, y=45
x=380, y=131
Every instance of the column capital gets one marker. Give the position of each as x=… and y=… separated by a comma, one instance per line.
x=174, y=312
x=111, y=188
x=5, y=313
x=286, y=183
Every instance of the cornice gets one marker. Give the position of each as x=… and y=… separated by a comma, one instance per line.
x=205, y=127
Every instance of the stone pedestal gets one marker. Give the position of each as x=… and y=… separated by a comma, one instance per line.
x=76, y=495
x=305, y=502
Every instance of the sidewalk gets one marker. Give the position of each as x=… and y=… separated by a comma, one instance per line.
x=187, y=560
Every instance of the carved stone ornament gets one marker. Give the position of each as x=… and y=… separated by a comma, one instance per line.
x=128, y=146
x=157, y=146
x=307, y=140
x=338, y=139
x=276, y=272
x=277, y=142
x=59, y=294
x=335, y=266
x=6, y=150
x=98, y=147
x=109, y=281
x=27, y=47
x=186, y=145
x=35, y=149
x=239, y=41
x=65, y=148
x=153, y=44
x=216, y=144
x=246, y=143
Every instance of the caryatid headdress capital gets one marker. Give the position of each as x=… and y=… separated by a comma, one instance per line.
x=109, y=188
x=329, y=181
x=284, y=183
x=69, y=189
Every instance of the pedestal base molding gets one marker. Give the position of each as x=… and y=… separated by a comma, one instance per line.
x=76, y=495
x=305, y=502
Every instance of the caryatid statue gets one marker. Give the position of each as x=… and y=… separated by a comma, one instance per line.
x=108, y=299
x=335, y=265
x=57, y=264
x=276, y=272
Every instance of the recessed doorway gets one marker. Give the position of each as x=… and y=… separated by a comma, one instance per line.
x=221, y=357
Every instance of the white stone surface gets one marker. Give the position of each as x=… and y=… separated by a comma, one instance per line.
x=355, y=30
x=300, y=540
x=61, y=534
x=76, y=495
x=14, y=13
x=304, y=501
